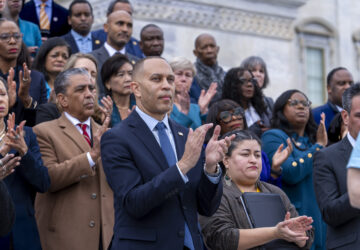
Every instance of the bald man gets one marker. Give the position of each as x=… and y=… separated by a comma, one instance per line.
x=118, y=27
x=161, y=177
x=207, y=68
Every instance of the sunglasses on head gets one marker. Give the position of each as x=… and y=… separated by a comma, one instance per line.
x=295, y=102
x=227, y=116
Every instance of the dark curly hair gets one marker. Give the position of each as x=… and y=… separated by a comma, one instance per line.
x=232, y=91
x=279, y=120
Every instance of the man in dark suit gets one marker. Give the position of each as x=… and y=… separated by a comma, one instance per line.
x=57, y=16
x=338, y=80
x=157, y=169
x=133, y=45
x=119, y=29
x=152, y=40
x=330, y=180
x=81, y=19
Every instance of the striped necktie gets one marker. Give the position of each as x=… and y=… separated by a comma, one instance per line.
x=85, y=134
x=44, y=19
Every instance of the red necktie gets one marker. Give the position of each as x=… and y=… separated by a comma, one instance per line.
x=85, y=134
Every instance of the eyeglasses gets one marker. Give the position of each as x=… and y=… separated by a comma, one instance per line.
x=295, y=102
x=227, y=116
x=245, y=80
x=5, y=37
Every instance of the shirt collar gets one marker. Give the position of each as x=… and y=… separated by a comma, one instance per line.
x=351, y=139
x=112, y=51
x=39, y=2
x=75, y=121
x=151, y=122
x=78, y=37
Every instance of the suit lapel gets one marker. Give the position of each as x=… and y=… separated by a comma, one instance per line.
x=71, y=131
x=96, y=43
x=179, y=138
x=72, y=43
x=33, y=10
x=346, y=148
x=143, y=133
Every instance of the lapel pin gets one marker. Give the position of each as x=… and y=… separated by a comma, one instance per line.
x=97, y=42
x=134, y=42
x=180, y=133
x=55, y=19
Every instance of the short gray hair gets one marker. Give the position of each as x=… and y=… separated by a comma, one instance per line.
x=348, y=95
x=62, y=81
x=181, y=63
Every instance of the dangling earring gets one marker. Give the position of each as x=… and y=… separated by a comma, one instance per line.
x=227, y=179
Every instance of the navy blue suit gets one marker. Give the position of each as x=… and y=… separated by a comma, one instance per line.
x=30, y=176
x=96, y=43
x=132, y=47
x=152, y=202
x=329, y=110
x=59, y=20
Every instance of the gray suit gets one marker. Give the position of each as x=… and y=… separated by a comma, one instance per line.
x=101, y=56
x=331, y=193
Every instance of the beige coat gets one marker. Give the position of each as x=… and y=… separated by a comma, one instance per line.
x=79, y=202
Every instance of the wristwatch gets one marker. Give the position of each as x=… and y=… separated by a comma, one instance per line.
x=217, y=172
x=276, y=172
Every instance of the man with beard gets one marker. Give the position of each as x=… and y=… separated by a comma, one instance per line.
x=77, y=212
x=119, y=29
x=81, y=19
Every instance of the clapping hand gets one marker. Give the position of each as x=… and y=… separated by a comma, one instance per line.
x=206, y=97
x=107, y=107
x=281, y=155
x=95, y=150
x=14, y=139
x=24, y=86
x=216, y=150
x=11, y=88
x=321, y=134
x=7, y=165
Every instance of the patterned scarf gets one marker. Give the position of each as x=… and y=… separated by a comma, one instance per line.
x=205, y=75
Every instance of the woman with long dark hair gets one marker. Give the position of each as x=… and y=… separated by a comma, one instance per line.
x=292, y=118
x=241, y=86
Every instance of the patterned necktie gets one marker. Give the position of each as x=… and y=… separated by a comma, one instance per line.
x=171, y=159
x=85, y=134
x=44, y=19
x=165, y=144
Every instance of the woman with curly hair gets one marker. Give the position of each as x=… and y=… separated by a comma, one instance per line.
x=241, y=86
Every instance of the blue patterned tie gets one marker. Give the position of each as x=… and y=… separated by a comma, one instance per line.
x=171, y=159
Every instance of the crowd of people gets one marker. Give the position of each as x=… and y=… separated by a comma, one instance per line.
x=104, y=144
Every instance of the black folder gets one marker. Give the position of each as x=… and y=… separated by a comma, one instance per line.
x=266, y=210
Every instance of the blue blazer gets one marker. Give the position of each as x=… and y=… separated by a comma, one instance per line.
x=132, y=47
x=329, y=110
x=96, y=43
x=30, y=177
x=59, y=21
x=151, y=200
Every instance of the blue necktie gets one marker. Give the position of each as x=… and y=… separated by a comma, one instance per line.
x=171, y=159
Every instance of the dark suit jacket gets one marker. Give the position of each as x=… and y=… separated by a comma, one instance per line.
x=47, y=112
x=152, y=202
x=101, y=56
x=343, y=221
x=74, y=48
x=7, y=211
x=30, y=177
x=132, y=47
x=59, y=24
x=329, y=110
x=37, y=92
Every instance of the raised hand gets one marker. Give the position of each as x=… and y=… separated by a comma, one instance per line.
x=193, y=147
x=11, y=88
x=216, y=150
x=206, y=97
x=95, y=150
x=281, y=155
x=24, y=86
x=321, y=134
x=7, y=165
x=107, y=107
x=14, y=139
x=183, y=100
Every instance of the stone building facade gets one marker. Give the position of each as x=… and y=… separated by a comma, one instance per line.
x=300, y=40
